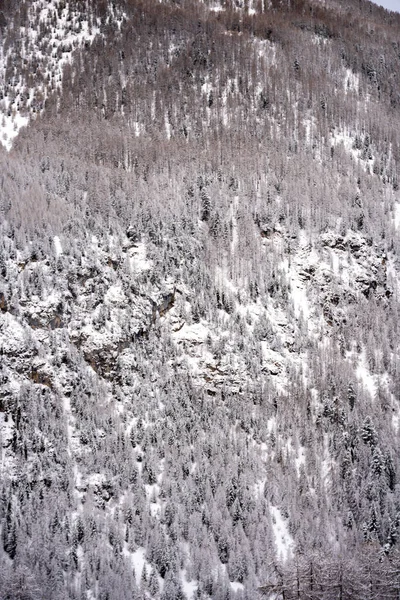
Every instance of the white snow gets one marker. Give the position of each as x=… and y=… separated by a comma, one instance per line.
x=216, y=8
x=309, y=127
x=299, y=298
x=327, y=467
x=57, y=245
x=10, y=126
x=137, y=258
x=189, y=587
x=139, y=561
x=396, y=422
x=6, y=435
x=222, y=278
x=115, y=296
x=319, y=40
x=69, y=420
x=192, y=334
x=259, y=488
x=347, y=138
x=397, y=215
x=335, y=262
x=351, y=81
x=283, y=540
x=168, y=128
x=273, y=361
x=300, y=459
x=13, y=335
x=364, y=375
x=137, y=128
x=236, y=586
x=233, y=211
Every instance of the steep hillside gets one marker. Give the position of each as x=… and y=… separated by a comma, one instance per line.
x=199, y=300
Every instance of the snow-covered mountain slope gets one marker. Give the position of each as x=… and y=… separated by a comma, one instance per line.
x=38, y=43
x=199, y=300
x=101, y=370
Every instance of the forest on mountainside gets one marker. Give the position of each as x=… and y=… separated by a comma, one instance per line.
x=199, y=300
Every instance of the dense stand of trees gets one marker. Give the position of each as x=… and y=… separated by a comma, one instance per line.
x=338, y=577
x=218, y=139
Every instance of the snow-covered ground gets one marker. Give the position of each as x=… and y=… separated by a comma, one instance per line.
x=367, y=380
x=10, y=126
x=283, y=540
x=397, y=215
x=52, y=32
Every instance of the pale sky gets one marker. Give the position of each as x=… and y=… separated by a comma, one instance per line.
x=390, y=4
